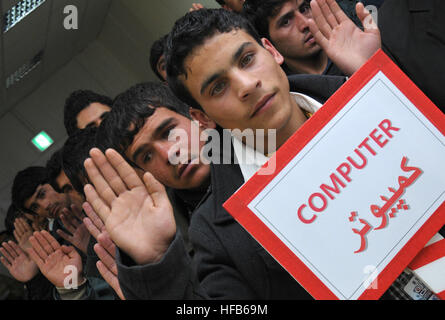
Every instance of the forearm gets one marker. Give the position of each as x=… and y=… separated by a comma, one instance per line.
x=171, y=278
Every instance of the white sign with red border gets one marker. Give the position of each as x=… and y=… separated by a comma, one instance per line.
x=358, y=191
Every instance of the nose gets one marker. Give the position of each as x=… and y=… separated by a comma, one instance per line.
x=302, y=21
x=247, y=82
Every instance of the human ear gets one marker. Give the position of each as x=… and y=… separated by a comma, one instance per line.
x=273, y=51
x=203, y=119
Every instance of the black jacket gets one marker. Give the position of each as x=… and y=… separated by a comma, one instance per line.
x=228, y=263
x=413, y=35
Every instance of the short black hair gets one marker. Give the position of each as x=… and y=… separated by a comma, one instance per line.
x=131, y=110
x=191, y=31
x=258, y=13
x=156, y=52
x=25, y=184
x=221, y=2
x=54, y=168
x=76, y=102
x=74, y=153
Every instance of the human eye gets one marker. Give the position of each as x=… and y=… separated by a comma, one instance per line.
x=305, y=7
x=286, y=20
x=218, y=88
x=166, y=133
x=247, y=60
x=146, y=157
x=41, y=194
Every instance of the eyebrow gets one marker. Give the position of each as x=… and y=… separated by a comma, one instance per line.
x=216, y=75
x=157, y=132
x=288, y=15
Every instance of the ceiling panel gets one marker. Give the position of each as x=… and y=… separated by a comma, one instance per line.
x=26, y=39
x=61, y=43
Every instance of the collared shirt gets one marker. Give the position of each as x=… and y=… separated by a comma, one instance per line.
x=250, y=160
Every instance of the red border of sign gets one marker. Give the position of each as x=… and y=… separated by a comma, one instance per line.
x=237, y=204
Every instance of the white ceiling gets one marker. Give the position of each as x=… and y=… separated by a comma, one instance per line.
x=108, y=53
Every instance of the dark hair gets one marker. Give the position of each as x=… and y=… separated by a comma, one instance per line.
x=191, y=31
x=130, y=112
x=221, y=2
x=258, y=13
x=53, y=168
x=156, y=52
x=74, y=153
x=25, y=184
x=76, y=102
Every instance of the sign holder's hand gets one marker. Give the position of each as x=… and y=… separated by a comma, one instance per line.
x=344, y=43
x=19, y=265
x=137, y=214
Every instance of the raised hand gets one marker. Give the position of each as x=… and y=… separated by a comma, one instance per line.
x=106, y=251
x=22, y=233
x=72, y=221
x=93, y=223
x=53, y=259
x=19, y=265
x=137, y=214
x=344, y=43
x=196, y=6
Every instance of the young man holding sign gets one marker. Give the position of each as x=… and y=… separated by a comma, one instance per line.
x=237, y=80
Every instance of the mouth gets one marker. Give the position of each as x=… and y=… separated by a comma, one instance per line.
x=263, y=104
x=186, y=168
x=309, y=39
x=53, y=211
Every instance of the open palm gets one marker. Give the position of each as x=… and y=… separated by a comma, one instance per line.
x=345, y=44
x=137, y=213
x=53, y=259
x=19, y=265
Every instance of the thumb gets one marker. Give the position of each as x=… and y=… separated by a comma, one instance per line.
x=366, y=18
x=69, y=251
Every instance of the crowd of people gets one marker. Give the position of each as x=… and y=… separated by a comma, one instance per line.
x=111, y=216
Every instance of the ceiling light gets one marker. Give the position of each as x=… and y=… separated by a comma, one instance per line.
x=19, y=11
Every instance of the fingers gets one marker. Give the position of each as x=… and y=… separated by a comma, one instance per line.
x=108, y=244
x=337, y=11
x=100, y=184
x=365, y=17
x=108, y=171
x=92, y=229
x=156, y=190
x=93, y=217
x=317, y=34
x=327, y=12
x=16, y=248
x=97, y=204
x=64, y=235
x=6, y=254
x=70, y=251
x=9, y=246
x=321, y=25
x=36, y=257
x=125, y=171
x=69, y=221
x=77, y=212
x=106, y=258
x=43, y=244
